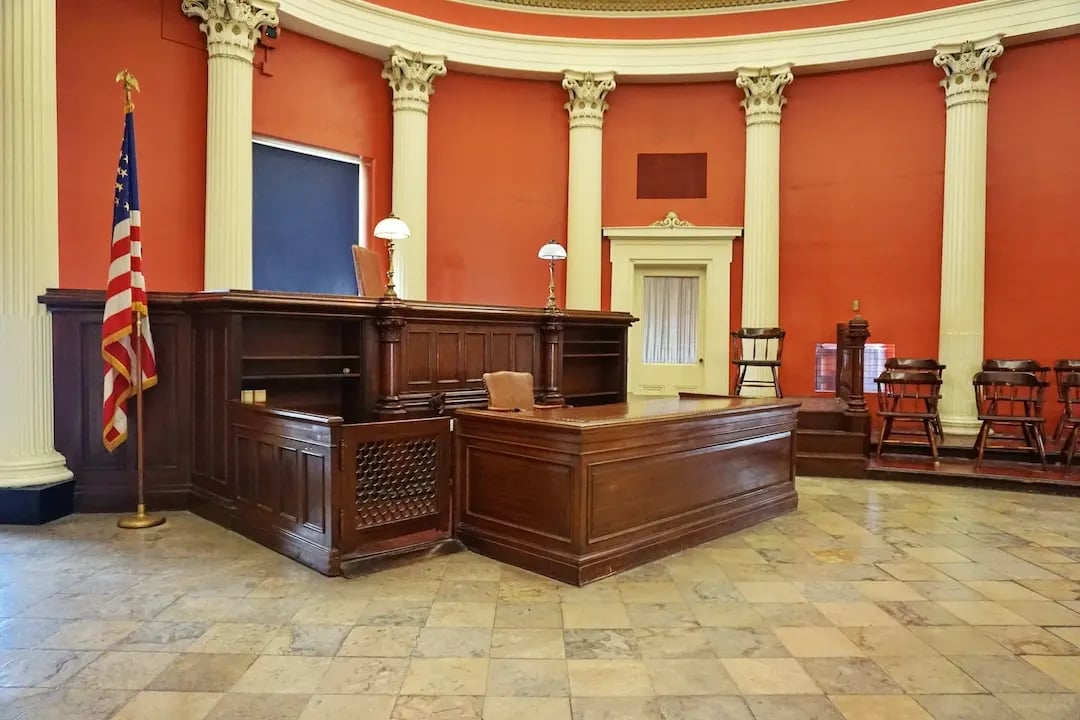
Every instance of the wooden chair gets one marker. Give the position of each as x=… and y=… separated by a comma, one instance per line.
x=908, y=396
x=370, y=281
x=1031, y=366
x=1012, y=399
x=757, y=347
x=1069, y=387
x=924, y=365
x=1061, y=369
x=510, y=391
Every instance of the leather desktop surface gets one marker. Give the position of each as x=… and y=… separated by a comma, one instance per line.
x=635, y=410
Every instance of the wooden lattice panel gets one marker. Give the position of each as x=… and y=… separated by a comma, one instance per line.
x=396, y=480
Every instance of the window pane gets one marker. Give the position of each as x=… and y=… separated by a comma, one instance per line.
x=670, y=321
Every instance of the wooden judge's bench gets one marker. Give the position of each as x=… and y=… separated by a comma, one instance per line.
x=351, y=460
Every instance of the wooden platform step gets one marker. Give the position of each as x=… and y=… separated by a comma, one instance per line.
x=995, y=474
x=962, y=447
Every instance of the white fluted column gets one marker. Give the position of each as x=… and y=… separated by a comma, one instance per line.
x=764, y=88
x=411, y=76
x=29, y=244
x=588, y=93
x=963, y=239
x=232, y=28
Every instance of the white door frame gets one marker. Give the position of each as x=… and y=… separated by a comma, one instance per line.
x=676, y=242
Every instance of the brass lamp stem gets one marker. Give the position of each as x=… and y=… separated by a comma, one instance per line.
x=551, y=286
x=390, y=291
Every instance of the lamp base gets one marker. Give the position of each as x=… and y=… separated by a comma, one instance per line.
x=140, y=520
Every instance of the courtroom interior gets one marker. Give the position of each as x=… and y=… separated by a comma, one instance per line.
x=539, y=360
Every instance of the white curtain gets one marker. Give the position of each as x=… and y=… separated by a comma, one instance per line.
x=670, y=320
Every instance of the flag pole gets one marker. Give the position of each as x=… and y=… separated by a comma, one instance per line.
x=140, y=519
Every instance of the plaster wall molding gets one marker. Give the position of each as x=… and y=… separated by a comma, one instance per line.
x=373, y=30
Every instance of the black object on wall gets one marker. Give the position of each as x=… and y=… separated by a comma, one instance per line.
x=307, y=215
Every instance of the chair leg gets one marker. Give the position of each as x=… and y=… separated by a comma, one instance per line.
x=776, y=381
x=980, y=443
x=1071, y=444
x=1059, y=427
x=930, y=436
x=739, y=377
x=1038, y=433
x=886, y=428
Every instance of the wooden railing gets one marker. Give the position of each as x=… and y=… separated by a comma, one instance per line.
x=851, y=339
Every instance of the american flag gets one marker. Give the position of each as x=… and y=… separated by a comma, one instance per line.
x=125, y=299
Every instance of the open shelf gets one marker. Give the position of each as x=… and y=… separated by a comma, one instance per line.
x=301, y=376
x=576, y=396
x=593, y=355
x=301, y=357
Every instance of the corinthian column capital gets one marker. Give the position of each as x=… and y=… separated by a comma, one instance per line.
x=967, y=69
x=411, y=76
x=764, y=88
x=232, y=26
x=588, y=93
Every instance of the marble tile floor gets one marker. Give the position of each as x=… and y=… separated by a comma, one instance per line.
x=874, y=601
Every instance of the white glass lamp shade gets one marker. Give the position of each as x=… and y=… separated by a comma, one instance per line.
x=552, y=251
x=392, y=228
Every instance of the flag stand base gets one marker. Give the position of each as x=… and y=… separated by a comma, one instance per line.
x=140, y=520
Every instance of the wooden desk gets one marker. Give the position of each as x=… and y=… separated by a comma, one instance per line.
x=578, y=494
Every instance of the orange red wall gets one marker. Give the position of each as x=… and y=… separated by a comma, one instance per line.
x=861, y=187
x=316, y=94
x=312, y=93
x=498, y=151
x=167, y=53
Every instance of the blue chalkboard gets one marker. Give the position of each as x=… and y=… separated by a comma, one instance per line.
x=307, y=215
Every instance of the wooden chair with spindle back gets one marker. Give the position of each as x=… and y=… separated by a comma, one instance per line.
x=1030, y=366
x=1061, y=369
x=1009, y=398
x=761, y=348
x=1069, y=387
x=924, y=365
x=908, y=396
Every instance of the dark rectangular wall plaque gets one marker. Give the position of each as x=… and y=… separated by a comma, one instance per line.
x=672, y=175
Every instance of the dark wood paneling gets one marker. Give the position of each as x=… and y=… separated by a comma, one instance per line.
x=105, y=481
x=216, y=371
x=629, y=494
x=272, y=485
x=541, y=505
x=672, y=175
x=475, y=356
x=449, y=367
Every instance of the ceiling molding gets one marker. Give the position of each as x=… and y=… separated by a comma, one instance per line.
x=639, y=8
x=373, y=29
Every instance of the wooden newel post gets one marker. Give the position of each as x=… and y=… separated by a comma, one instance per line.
x=858, y=332
x=389, y=326
x=552, y=334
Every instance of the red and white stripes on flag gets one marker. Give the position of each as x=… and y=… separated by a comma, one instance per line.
x=125, y=300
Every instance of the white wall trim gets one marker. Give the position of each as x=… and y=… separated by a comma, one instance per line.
x=306, y=149
x=709, y=248
x=372, y=30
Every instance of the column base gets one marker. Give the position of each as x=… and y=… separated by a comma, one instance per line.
x=960, y=425
x=37, y=504
x=41, y=470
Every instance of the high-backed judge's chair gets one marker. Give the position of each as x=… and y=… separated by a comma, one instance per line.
x=369, y=277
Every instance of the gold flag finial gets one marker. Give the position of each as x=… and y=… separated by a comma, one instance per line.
x=855, y=306
x=130, y=83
